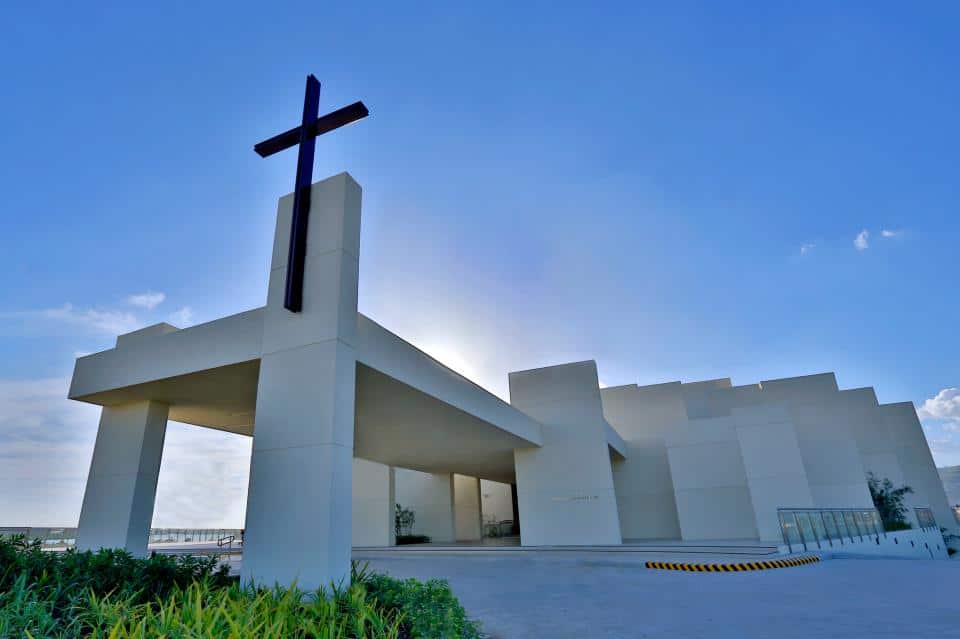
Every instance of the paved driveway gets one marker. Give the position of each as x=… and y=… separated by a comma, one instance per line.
x=594, y=595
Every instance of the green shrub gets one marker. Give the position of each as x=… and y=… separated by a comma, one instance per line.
x=430, y=610
x=202, y=610
x=113, y=595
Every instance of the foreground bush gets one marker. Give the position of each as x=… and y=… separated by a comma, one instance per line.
x=112, y=595
x=428, y=609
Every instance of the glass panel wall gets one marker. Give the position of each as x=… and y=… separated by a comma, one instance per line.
x=831, y=526
x=925, y=518
x=788, y=526
x=821, y=528
x=852, y=526
x=816, y=518
x=865, y=521
x=806, y=531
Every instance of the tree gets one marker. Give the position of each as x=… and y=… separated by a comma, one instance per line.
x=889, y=502
x=403, y=521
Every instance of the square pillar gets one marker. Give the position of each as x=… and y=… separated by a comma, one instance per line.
x=468, y=525
x=122, y=485
x=374, y=504
x=514, y=502
x=299, y=511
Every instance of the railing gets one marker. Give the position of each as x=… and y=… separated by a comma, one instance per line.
x=498, y=528
x=925, y=518
x=190, y=535
x=819, y=528
x=49, y=537
x=58, y=538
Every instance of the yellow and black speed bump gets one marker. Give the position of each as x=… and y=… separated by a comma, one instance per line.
x=739, y=567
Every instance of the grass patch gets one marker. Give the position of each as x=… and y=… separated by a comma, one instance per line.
x=112, y=595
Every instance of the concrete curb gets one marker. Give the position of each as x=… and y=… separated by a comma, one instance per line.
x=737, y=567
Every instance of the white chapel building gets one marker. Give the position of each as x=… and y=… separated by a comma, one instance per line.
x=348, y=419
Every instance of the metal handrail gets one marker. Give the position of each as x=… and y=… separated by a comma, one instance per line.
x=66, y=537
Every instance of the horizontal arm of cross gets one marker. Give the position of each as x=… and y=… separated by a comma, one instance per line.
x=321, y=125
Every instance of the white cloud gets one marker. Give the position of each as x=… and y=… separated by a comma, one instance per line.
x=203, y=478
x=945, y=450
x=45, y=445
x=110, y=322
x=890, y=233
x=862, y=241
x=182, y=317
x=944, y=406
x=806, y=248
x=148, y=300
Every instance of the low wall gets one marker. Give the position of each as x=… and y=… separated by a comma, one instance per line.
x=926, y=543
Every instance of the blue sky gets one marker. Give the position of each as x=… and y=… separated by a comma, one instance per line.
x=692, y=191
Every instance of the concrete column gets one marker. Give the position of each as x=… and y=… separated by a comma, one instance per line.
x=299, y=512
x=374, y=503
x=118, y=503
x=430, y=497
x=515, y=503
x=565, y=487
x=468, y=523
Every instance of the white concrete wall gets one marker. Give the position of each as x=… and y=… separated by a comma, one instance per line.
x=829, y=451
x=122, y=484
x=910, y=544
x=871, y=432
x=565, y=488
x=644, y=488
x=919, y=471
x=430, y=497
x=373, y=503
x=466, y=508
x=774, y=468
x=710, y=482
x=299, y=510
x=160, y=353
x=496, y=501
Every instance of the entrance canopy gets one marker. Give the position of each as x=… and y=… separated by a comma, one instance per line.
x=411, y=410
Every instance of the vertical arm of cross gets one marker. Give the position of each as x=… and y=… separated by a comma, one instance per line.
x=305, y=136
x=296, y=257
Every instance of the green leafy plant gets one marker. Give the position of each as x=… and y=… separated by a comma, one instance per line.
x=889, y=502
x=430, y=608
x=403, y=521
x=113, y=595
x=948, y=539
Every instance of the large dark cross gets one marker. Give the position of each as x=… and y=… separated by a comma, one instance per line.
x=306, y=136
